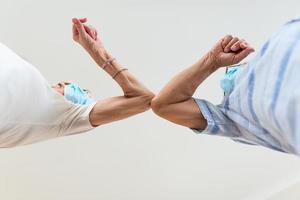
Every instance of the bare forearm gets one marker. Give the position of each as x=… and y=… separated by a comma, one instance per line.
x=129, y=84
x=118, y=108
x=183, y=86
x=136, y=98
x=175, y=102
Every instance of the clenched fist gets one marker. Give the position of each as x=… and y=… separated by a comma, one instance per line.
x=229, y=51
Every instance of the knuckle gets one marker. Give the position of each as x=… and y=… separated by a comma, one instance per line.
x=228, y=36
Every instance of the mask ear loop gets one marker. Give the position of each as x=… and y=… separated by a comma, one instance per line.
x=236, y=65
x=225, y=73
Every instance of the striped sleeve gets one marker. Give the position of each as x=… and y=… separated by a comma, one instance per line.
x=217, y=121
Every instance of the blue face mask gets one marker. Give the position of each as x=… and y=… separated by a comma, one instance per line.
x=227, y=83
x=77, y=95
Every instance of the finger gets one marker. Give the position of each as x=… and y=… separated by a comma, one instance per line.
x=87, y=29
x=90, y=31
x=83, y=20
x=74, y=32
x=96, y=36
x=236, y=46
x=79, y=26
x=226, y=40
x=229, y=45
x=243, y=54
x=244, y=45
x=93, y=30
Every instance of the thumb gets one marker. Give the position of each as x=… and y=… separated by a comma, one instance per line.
x=243, y=54
x=79, y=26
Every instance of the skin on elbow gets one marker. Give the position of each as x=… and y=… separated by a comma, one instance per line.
x=144, y=98
x=146, y=101
x=185, y=113
x=158, y=106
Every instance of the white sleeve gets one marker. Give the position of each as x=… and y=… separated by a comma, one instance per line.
x=76, y=119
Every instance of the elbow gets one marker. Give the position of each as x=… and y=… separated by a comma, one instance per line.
x=146, y=99
x=158, y=106
x=142, y=98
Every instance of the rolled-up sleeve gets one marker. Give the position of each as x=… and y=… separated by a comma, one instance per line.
x=217, y=121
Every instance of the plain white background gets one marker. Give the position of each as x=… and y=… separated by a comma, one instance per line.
x=143, y=157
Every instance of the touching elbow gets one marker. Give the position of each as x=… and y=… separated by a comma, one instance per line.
x=146, y=100
x=158, y=106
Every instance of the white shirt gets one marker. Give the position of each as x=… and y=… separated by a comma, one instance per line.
x=31, y=110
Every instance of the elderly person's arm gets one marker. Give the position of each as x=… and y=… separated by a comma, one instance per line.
x=136, y=97
x=175, y=102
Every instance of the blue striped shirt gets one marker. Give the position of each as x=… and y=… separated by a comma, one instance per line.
x=264, y=106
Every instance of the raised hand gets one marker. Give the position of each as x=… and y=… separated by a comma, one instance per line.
x=229, y=51
x=86, y=36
